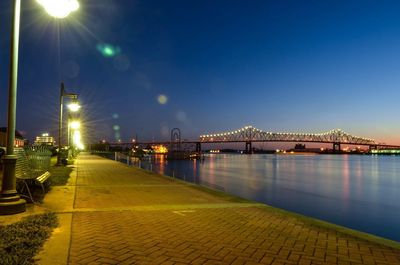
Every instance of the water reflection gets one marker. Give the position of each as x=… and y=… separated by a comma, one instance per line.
x=346, y=179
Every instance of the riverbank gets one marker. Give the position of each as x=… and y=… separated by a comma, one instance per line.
x=112, y=213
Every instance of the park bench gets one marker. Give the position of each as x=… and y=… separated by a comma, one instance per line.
x=32, y=169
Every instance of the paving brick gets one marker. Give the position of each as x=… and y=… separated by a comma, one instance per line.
x=128, y=216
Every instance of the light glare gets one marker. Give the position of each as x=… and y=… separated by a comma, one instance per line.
x=74, y=107
x=59, y=8
x=75, y=125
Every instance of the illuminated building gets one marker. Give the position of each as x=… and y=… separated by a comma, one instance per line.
x=159, y=149
x=18, y=141
x=44, y=139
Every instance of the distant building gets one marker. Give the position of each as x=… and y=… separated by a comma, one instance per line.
x=19, y=139
x=44, y=139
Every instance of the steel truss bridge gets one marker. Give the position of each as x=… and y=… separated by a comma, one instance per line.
x=250, y=135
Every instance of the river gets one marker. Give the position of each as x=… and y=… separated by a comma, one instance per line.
x=361, y=192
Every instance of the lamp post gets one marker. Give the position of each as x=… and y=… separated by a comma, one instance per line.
x=10, y=201
x=73, y=107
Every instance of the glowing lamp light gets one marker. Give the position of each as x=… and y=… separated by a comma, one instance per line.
x=74, y=106
x=75, y=125
x=59, y=8
x=80, y=146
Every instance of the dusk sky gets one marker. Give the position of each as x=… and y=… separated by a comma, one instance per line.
x=209, y=66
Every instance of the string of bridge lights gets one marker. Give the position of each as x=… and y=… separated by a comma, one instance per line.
x=253, y=129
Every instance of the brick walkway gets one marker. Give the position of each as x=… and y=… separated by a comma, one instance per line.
x=124, y=215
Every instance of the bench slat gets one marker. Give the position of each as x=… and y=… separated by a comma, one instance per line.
x=42, y=178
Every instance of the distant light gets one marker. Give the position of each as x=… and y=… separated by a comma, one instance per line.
x=159, y=149
x=74, y=107
x=59, y=8
x=77, y=137
x=75, y=125
x=45, y=134
x=80, y=146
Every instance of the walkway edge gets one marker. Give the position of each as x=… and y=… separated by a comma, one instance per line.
x=56, y=249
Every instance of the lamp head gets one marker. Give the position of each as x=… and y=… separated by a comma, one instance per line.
x=74, y=106
x=59, y=8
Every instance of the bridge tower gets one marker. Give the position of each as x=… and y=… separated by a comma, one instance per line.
x=336, y=147
x=249, y=147
x=373, y=147
x=198, y=147
x=175, y=140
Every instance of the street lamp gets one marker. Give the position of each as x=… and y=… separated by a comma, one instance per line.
x=10, y=201
x=72, y=126
x=74, y=106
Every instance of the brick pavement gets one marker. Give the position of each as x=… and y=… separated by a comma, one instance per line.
x=125, y=215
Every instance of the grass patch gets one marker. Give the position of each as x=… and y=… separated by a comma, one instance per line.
x=21, y=241
x=59, y=175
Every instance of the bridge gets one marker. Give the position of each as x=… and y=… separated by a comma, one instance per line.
x=249, y=135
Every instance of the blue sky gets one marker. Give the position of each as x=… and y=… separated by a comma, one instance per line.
x=307, y=66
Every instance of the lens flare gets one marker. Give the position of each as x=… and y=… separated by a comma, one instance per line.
x=108, y=50
x=162, y=99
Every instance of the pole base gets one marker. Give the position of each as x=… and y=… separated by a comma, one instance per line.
x=13, y=207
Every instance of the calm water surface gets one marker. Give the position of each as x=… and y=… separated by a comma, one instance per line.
x=357, y=191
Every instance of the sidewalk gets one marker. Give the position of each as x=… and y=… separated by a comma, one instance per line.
x=113, y=214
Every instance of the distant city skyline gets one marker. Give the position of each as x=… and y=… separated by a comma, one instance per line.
x=145, y=67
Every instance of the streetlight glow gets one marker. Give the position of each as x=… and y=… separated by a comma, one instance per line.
x=75, y=125
x=77, y=137
x=74, y=107
x=59, y=8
